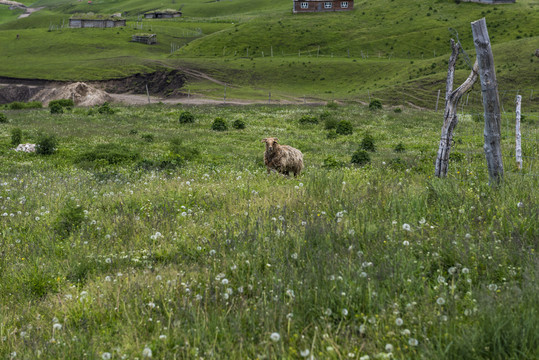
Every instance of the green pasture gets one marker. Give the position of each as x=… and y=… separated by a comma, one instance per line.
x=143, y=237
x=378, y=48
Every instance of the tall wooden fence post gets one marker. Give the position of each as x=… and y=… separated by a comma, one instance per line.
x=491, y=100
x=518, y=147
x=148, y=93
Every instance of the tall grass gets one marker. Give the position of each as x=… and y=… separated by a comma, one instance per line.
x=215, y=258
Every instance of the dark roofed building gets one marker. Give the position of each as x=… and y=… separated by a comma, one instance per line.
x=301, y=6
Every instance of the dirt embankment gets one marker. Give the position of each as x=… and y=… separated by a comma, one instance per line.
x=162, y=83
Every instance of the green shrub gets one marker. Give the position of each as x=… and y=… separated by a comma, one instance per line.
x=308, y=119
x=330, y=123
x=399, y=148
x=147, y=137
x=325, y=116
x=56, y=109
x=18, y=105
x=367, y=143
x=62, y=103
x=360, y=157
x=133, y=132
x=3, y=118
x=46, y=144
x=186, y=118
x=69, y=219
x=397, y=110
x=91, y=111
x=219, y=124
x=108, y=153
x=105, y=109
x=16, y=136
x=344, y=127
x=332, y=105
x=332, y=134
x=375, y=105
x=238, y=124
x=330, y=162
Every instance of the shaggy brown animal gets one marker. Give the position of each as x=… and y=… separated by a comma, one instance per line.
x=282, y=158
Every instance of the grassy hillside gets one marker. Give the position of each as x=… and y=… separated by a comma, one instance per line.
x=144, y=234
x=379, y=47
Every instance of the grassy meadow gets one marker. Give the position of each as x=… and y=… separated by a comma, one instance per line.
x=143, y=237
x=378, y=47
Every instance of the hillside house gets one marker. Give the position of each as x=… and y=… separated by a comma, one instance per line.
x=95, y=21
x=491, y=1
x=301, y=6
x=163, y=14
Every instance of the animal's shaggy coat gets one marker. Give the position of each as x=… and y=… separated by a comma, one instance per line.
x=282, y=158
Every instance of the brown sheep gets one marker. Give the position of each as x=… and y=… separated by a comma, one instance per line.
x=282, y=158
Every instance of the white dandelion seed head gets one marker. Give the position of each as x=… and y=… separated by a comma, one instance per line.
x=106, y=356
x=147, y=352
x=493, y=287
x=520, y=204
x=389, y=348
x=162, y=337
x=327, y=312
x=275, y=337
x=57, y=326
x=294, y=256
x=440, y=301
x=406, y=243
x=406, y=227
x=465, y=270
x=344, y=312
x=365, y=357
x=304, y=353
x=413, y=342
x=399, y=321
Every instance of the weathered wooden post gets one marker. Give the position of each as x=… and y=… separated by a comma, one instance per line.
x=452, y=98
x=147, y=93
x=491, y=101
x=518, y=148
x=437, y=99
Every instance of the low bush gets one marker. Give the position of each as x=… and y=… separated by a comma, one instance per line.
x=219, y=124
x=332, y=134
x=18, y=105
x=16, y=136
x=399, y=148
x=367, y=143
x=111, y=154
x=330, y=163
x=397, y=110
x=105, y=109
x=332, y=105
x=360, y=157
x=238, y=124
x=56, y=108
x=186, y=118
x=375, y=105
x=344, y=127
x=46, y=144
x=62, y=103
x=147, y=137
x=3, y=118
x=308, y=119
x=331, y=123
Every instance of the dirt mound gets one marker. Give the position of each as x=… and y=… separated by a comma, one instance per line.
x=165, y=83
x=81, y=93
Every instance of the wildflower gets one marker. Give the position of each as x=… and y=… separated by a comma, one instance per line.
x=151, y=305
x=289, y=316
x=468, y=236
x=493, y=287
x=520, y=204
x=441, y=279
x=107, y=278
x=365, y=357
x=57, y=326
x=108, y=260
x=290, y=293
x=147, y=352
x=440, y=301
x=162, y=337
x=413, y=342
x=158, y=278
x=344, y=312
x=452, y=270
x=106, y=356
x=465, y=270
x=294, y=256
x=275, y=337
x=389, y=348
x=362, y=329
x=304, y=353
x=422, y=221
x=405, y=243
x=327, y=312
x=212, y=252
x=399, y=321
x=406, y=227
x=224, y=281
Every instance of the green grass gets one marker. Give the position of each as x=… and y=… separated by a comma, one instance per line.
x=210, y=258
x=378, y=48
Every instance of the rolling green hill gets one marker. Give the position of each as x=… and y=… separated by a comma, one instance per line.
x=382, y=47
